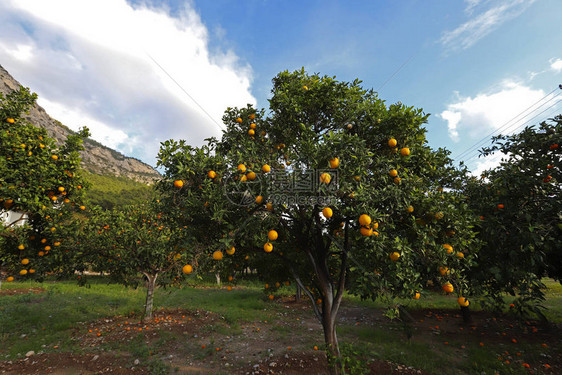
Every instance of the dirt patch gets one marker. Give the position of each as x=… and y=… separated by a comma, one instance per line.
x=18, y=291
x=71, y=364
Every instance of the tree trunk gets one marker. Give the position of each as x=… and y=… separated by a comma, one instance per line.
x=331, y=339
x=299, y=293
x=466, y=316
x=218, y=276
x=151, y=284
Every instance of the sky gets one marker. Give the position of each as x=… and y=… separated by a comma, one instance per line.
x=139, y=72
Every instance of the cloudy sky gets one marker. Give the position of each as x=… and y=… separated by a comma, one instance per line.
x=140, y=72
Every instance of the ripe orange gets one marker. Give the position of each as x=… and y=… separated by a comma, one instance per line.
x=393, y=173
x=47, y=248
x=230, y=278
x=251, y=132
x=23, y=272
x=449, y=248
x=271, y=297
x=460, y=254
x=266, y=286
x=211, y=175
x=187, y=269
x=269, y=206
x=217, y=255
x=31, y=270
x=266, y=168
x=252, y=116
x=550, y=166
x=327, y=212
x=357, y=178
x=179, y=183
x=54, y=157
x=554, y=146
x=334, y=163
x=251, y=176
x=40, y=253
x=305, y=88
x=416, y=296
x=448, y=287
x=500, y=206
x=397, y=180
x=252, y=126
x=231, y=250
x=325, y=178
x=82, y=207
x=239, y=120
x=367, y=232
x=364, y=220
x=394, y=256
x=259, y=199
x=268, y=247
x=242, y=168
x=405, y=151
x=229, y=288
x=444, y=271
x=462, y=301
x=10, y=120
x=9, y=279
x=410, y=209
x=25, y=261
x=277, y=284
x=272, y=235
x=244, y=178
x=21, y=247
x=392, y=142
x=439, y=215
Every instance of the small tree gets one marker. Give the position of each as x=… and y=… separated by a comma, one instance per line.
x=133, y=241
x=332, y=187
x=42, y=183
x=520, y=213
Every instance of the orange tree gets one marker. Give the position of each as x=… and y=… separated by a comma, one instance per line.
x=332, y=188
x=40, y=182
x=520, y=213
x=133, y=241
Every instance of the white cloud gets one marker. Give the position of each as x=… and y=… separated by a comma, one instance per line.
x=91, y=63
x=492, y=111
x=483, y=23
x=485, y=163
x=556, y=65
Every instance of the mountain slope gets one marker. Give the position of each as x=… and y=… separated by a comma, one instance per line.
x=96, y=158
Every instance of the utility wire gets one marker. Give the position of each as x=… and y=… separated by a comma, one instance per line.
x=185, y=91
x=397, y=70
x=484, y=139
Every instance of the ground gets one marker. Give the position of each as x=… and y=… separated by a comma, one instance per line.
x=196, y=341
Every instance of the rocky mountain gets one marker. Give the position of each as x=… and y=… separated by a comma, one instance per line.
x=96, y=157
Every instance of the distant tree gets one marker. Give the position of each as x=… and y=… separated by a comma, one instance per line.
x=521, y=214
x=42, y=182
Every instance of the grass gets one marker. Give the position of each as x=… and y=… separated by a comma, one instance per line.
x=29, y=321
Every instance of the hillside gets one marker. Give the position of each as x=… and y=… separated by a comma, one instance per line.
x=96, y=158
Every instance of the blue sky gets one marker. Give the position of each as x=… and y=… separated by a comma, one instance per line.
x=118, y=66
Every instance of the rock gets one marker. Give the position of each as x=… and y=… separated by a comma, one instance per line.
x=136, y=362
x=29, y=353
x=272, y=364
x=95, y=357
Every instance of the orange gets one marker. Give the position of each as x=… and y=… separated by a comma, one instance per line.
x=266, y=286
x=259, y=199
x=439, y=215
x=269, y=206
x=392, y=142
x=367, y=232
x=448, y=287
x=449, y=248
x=410, y=209
x=31, y=270
x=211, y=174
x=325, y=178
x=187, y=269
x=10, y=120
x=229, y=288
x=500, y=206
x=266, y=168
x=393, y=173
x=416, y=296
x=54, y=157
x=334, y=163
x=23, y=272
x=252, y=116
x=239, y=120
x=268, y=247
x=272, y=235
x=271, y=297
x=405, y=151
x=40, y=253
x=244, y=178
x=242, y=168
x=327, y=212
x=252, y=126
x=364, y=220
x=462, y=301
x=251, y=176
x=47, y=248
x=57, y=243
x=394, y=256
x=231, y=250
x=251, y=132
x=460, y=254
x=82, y=207
x=305, y=88
x=178, y=183
x=217, y=255
x=230, y=278
x=356, y=178
x=443, y=271
x=21, y=247
x=277, y=284
x=61, y=189
x=397, y=180
x=9, y=279
x=25, y=261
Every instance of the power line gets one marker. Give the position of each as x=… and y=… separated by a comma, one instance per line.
x=185, y=91
x=397, y=70
x=484, y=139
